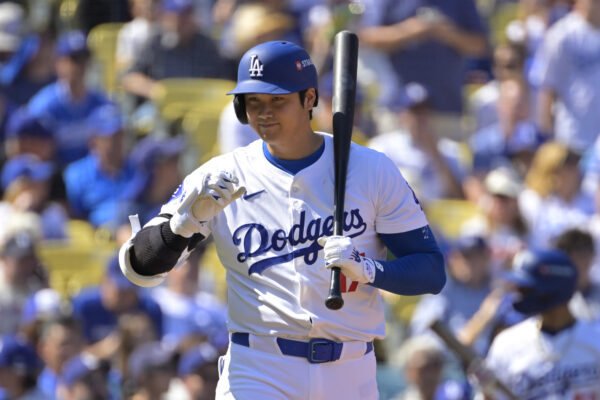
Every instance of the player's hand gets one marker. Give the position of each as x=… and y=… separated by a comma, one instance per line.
x=340, y=252
x=216, y=192
x=183, y=223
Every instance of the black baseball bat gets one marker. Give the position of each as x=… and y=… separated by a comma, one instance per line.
x=345, y=62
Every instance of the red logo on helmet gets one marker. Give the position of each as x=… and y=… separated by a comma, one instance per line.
x=298, y=65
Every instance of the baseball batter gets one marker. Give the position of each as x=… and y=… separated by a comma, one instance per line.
x=551, y=355
x=269, y=208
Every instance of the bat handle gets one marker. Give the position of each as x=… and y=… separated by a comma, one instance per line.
x=334, y=300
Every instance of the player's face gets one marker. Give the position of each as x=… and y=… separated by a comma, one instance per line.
x=276, y=117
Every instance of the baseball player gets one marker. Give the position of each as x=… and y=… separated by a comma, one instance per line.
x=269, y=209
x=550, y=355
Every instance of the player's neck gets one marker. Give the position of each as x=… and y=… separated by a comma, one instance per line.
x=557, y=319
x=296, y=148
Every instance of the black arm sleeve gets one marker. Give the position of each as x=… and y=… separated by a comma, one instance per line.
x=156, y=249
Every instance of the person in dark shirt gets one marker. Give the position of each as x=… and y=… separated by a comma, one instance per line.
x=179, y=50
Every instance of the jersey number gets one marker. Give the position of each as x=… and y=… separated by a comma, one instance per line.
x=344, y=284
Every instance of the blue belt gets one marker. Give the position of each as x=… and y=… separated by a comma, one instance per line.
x=316, y=351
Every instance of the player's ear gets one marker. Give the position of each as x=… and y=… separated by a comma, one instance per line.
x=310, y=99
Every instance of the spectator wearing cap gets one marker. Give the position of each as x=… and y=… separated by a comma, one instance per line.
x=179, y=50
x=157, y=175
x=151, y=368
x=198, y=371
x=99, y=308
x=553, y=200
x=94, y=183
x=66, y=104
x=188, y=311
x=26, y=182
x=507, y=231
x=19, y=368
x=83, y=377
x=469, y=283
x=21, y=274
x=26, y=134
x=59, y=339
x=431, y=165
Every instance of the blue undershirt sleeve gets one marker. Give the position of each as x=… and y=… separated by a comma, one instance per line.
x=418, y=268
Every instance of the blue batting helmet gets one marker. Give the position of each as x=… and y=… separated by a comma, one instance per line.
x=548, y=277
x=276, y=67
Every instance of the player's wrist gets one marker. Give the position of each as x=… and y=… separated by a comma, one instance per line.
x=369, y=270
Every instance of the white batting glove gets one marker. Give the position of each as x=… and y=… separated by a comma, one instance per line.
x=183, y=223
x=340, y=252
x=202, y=203
x=216, y=192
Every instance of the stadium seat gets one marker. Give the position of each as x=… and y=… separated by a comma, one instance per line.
x=448, y=215
x=78, y=261
x=178, y=96
x=102, y=41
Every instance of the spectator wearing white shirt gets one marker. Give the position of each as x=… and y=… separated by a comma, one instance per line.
x=570, y=76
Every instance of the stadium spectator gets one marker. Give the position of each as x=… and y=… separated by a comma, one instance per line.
x=187, y=311
x=507, y=231
x=59, y=340
x=179, y=50
x=83, y=377
x=26, y=134
x=430, y=165
x=21, y=274
x=513, y=138
x=469, y=283
x=30, y=68
x=569, y=78
x=98, y=308
x=134, y=35
x=95, y=183
x=26, y=182
x=12, y=20
x=579, y=246
x=19, y=367
x=198, y=371
x=66, y=104
x=422, y=360
x=553, y=200
x=151, y=366
x=428, y=42
x=156, y=177
x=508, y=63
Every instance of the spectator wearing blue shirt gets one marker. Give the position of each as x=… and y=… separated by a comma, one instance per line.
x=66, y=104
x=19, y=366
x=94, y=183
x=59, y=340
x=428, y=42
x=25, y=134
x=84, y=377
x=98, y=308
x=187, y=311
x=157, y=175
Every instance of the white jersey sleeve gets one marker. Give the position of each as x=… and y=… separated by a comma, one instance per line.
x=398, y=209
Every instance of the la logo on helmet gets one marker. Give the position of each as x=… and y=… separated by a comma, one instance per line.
x=256, y=67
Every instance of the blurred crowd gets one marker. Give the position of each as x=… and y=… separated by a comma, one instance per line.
x=489, y=108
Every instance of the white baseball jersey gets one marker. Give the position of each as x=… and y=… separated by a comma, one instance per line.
x=537, y=365
x=267, y=240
